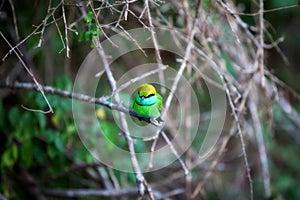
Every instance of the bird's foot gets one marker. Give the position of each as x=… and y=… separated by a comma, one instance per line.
x=157, y=121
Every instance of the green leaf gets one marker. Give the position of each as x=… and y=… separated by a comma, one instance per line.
x=99, y=33
x=110, y=130
x=59, y=143
x=71, y=129
x=81, y=153
x=93, y=27
x=13, y=116
x=50, y=135
x=26, y=152
x=64, y=82
x=51, y=151
x=81, y=36
x=41, y=120
x=9, y=156
x=89, y=17
x=92, y=45
x=87, y=36
x=14, y=151
x=6, y=160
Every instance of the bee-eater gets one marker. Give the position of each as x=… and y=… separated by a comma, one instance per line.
x=147, y=102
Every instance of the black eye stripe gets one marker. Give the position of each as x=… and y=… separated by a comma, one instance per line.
x=150, y=95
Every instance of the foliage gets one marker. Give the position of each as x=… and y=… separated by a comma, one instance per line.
x=93, y=32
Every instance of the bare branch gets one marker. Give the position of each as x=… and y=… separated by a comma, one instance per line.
x=240, y=133
x=66, y=28
x=29, y=35
x=252, y=103
x=71, y=193
x=214, y=163
x=155, y=43
x=44, y=24
x=260, y=52
x=14, y=19
x=81, y=97
x=141, y=181
x=186, y=171
x=77, y=193
x=32, y=76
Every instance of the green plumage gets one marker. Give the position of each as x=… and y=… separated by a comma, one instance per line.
x=147, y=102
x=152, y=111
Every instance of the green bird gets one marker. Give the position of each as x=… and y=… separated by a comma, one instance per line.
x=147, y=102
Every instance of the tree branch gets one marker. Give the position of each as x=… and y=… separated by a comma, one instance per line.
x=81, y=97
x=71, y=193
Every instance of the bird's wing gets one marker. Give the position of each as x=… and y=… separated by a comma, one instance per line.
x=160, y=101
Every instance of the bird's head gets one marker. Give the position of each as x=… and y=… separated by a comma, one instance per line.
x=146, y=90
x=146, y=95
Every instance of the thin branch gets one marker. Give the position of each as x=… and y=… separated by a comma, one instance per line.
x=260, y=52
x=14, y=19
x=227, y=85
x=175, y=83
x=240, y=133
x=66, y=28
x=30, y=184
x=283, y=85
x=60, y=34
x=155, y=43
x=21, y=42
x=240, y=22
x=167, y=195
x=133, y=80
x=83, y=11
x=275, y=44
x=123, y=13
x=32, y=76
x=104, y=176
x=252, y=103
x=180, y=71
x=81, y=97
x=77, y=193
x=76, y=167
x=114, y=179
x=44, y=24
x=72, y=193
x=141, y=181
x=29, y=35
x=133, y=40
x=186, y=171
x=183, y=64
x=265, y=11
x=214, y=163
